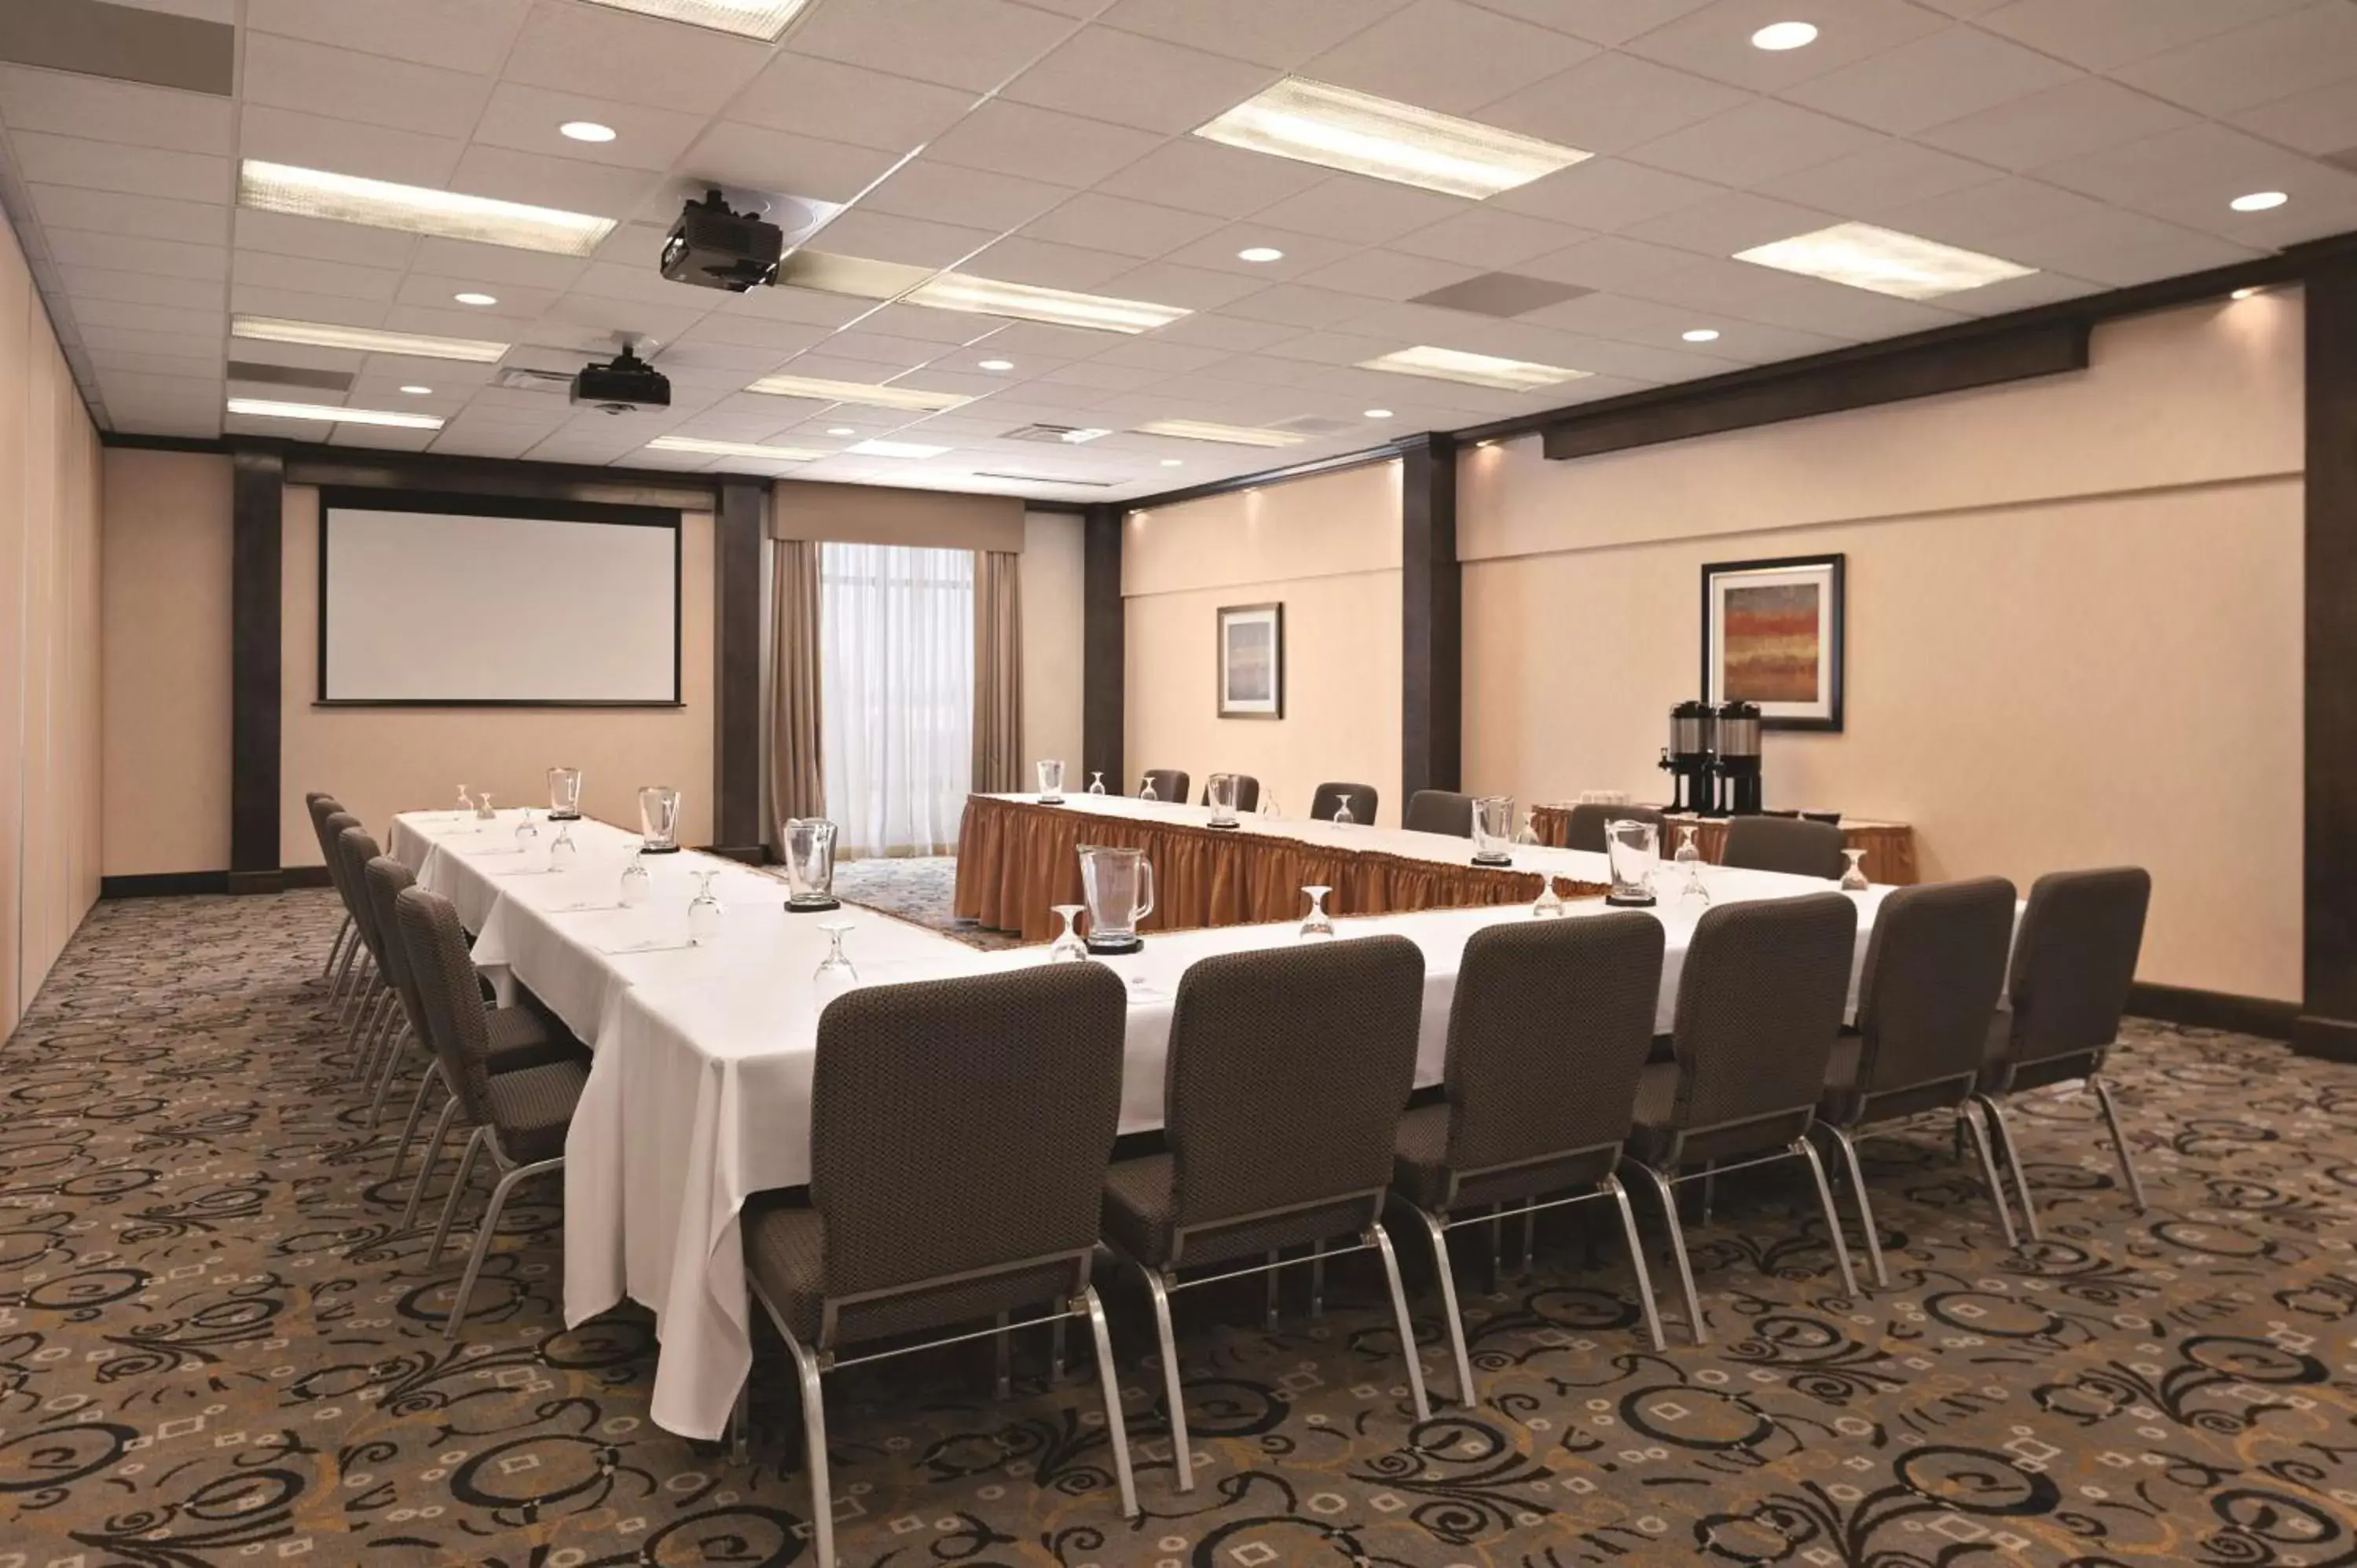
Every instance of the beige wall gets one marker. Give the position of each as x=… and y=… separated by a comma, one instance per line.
x=1329, y=549
x=2075, y=621
x=383, y=760
x=1052, y=602
x=50, y=759
x=166, y=598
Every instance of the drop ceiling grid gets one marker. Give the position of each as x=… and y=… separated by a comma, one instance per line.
x=1046, y=142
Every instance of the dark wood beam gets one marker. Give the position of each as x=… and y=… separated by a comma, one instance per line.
x=257, y=550
x=737, y=526
x=1431, y=617
x=2327, y=1025
x=1103, y=649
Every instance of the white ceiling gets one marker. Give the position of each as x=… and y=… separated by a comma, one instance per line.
x=1046, y=142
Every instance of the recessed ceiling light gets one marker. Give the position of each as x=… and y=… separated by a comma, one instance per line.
x=1781, y=35
x=419, y=392
x=1260, y=254
x=997, y=364
x=863, y=393
x=733, y=449
x=842, y=430
x=1173, y=462
x=1334, y=127
x=416, y=210
x=914, y=449
x=2259, y=202
x=475, y=297
x=1701, y=335
x=324, y=414
x=1884, y=260
x=1379, y=413
x=764, y=19
x=364, y=340
x=586, y=131
x=1473, y=370
x=1061, y=307
x=1233, y=435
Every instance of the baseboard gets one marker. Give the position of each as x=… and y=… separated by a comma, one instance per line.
x=305, y=876
x=2326, y=1039
x=2213, y=1010
x=163, y=884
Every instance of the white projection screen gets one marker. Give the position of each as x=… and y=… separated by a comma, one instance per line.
x=483, y=602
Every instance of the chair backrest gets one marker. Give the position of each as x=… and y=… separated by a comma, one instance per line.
x=1934, y=965
x=331, y=829
x=1785, y=843
x=1587, y=830
x=442, y=967
x=1247, y=792
x=1760, y=1007
x=957, y=1125
x=1169, y=784
x=1330, y=798
x=1288, y=1073
x=1440, y=812
x=1547, y=1037
x=384, y=878
x=2075, y=959
x=353, y=850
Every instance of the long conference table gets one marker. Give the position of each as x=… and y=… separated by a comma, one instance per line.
x=698, y=1094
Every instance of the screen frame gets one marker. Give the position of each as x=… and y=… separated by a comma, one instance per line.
x=451, y=503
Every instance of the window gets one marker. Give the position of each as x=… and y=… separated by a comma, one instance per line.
x=896, y=636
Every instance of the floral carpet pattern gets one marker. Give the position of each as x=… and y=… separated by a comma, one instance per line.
x=921, y=889
x=218, y=1347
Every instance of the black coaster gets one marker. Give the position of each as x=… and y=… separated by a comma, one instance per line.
x=817, y=907
x=1494, y=860
x=1224, y=827
x=651, y=849
x=1109, y=946
x=1642, y=901
x=564, y=816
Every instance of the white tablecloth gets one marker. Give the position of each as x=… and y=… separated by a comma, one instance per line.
x=699, y=1095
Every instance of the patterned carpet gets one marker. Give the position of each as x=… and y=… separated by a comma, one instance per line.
x=918, y=888
x=215, y=1349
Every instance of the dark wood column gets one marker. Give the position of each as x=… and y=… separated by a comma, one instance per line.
x=738, y=520
x=1431, y=619
x=2328, y=1022
x=1104, y=650
x=257, y=549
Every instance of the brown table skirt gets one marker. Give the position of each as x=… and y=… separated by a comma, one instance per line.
x=1889, y=846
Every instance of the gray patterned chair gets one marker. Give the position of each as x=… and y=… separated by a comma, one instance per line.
x=1169, y=784
x=1547, y=1036
x=1933, y=967
x=959, y=1136
x=1329, y=798
x=1587, y=827
x=1790, y=844
x=1286, y=1074
x=350, y=848
x=1760, y=1007
x=2072, y=964
x=1440, y=812
x=322, y=805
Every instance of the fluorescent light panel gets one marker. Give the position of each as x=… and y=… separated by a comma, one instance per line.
x=325, y=414
x=1315, y=122
x=1024, y=302
x=1232, y=435
x=1473, y=370
x=855, y=276
x=697, y=443
x=763, y=19
x=862, y=393
x=364, y=340
x=1884, y=260
x=895, y=449
x=415, y=209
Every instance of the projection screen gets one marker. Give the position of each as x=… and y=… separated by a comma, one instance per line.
x=474, y=601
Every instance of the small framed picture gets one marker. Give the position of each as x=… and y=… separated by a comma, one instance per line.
x=1251, y=661
x=1771, y=634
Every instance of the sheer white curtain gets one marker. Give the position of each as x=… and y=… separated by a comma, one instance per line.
x=896, y=640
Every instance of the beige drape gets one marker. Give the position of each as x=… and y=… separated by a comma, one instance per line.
x=797, y=779
x=998, y=672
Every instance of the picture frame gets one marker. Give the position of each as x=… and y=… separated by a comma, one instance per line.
x=1771, y=634
x=1251, y=661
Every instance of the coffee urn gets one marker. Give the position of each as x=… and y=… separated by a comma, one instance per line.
x=1686, y=758
x=1736, y=759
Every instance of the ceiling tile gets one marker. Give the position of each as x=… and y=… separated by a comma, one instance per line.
x=1219, y=251
x=374, y=89
x=1044, y=264
x=1985, y=217
x=1448, y=55
x=144, y=288
x=1388, y=275
x=1837, y=310
x=181, y=320
x=912, y=241
x=314, y=276
x=2322, y=122
x=1950, y=73
x=783, y=163
x=2258, y=64
x=115, y=110
x=1293, y=305
x=2115, y=247
x=1715, y=42
x=2103, y=35
x=132, y=341
x=881, y=348
x=975, y=44
x=1114, y=223
x=497, y=264
x=67, y=207
x=540, y=180
x=1274, y=35
x=78, y=248
x=1210, y=331
x=2080, y=116
x=1865, y=185
x=848, y=104
x=456, y=35
x=606, y=53
x=347, y=147
x=944, y=193
x=1366, y=211
x=1599, y=21
x=284, y=234
x=1757, y=142
x=952, y=327
x=1612, y=102
x=1039, y=144
x=1129, y=79
x=46, y=159
x=2190, y=175
x=1205, y=177
x=525, y=119
x=1488, y=237
x=2019, y=294
x=1606, y=194
x=1195, y=288
x=1726, y=224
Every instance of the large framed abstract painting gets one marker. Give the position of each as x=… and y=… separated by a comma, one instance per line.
x=1771, y=634
x=1251, y=661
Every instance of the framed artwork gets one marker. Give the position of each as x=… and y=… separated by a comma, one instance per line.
x=1771, y=634
x=1251, y=661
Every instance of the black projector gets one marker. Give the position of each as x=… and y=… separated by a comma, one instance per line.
x=626, y=383
x=712, y=247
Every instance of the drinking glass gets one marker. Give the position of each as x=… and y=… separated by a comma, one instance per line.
x=1269, y=810
x=1223, y=791
x=1068, y=947
x=1493, y=819
x=1147, y=793
x=637, y=885
x=1096, y=783
x=808, y=844
x=1343, y=817
x=564, y=794
x=1528, y=834
x=527, y=831
x=659, y=819
x=704, y=910
x=466, y=803
x=1852, y=877
x=1319, y=923
x=1550, y=903
x=1689, y=862
x=483, y=806
x=1632, y=848
x=1051, y=783
x=834, y=974
x=562, y=854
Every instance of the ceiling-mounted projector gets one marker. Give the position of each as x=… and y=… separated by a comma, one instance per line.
x=712, y=247
x=621, y=385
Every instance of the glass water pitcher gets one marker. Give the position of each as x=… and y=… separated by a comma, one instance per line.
x=659, y=819
x=1118, y=886
x=809, y=845
x=1493, y=830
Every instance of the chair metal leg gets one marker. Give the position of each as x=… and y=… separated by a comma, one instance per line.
x=1678, y=1251
x=457, y=1189
x=432, y=1157
x=1269, y=1298
x=2003, y=1130
x=1968, y=1119
x=1002, y=1359
x=1808, y=1151
x=484, y=1232
x=1497, y=1247
x=814, y=1456
x=1530, y=1237
x=364, y=1020
x=377, y=1044
x=1848, y=1147
x=1180, y=1458
x=433, y=1076
x=335, y=948
x=1116, y=1431
x=1316, y=1279
x=1383, y=1243
x=1611, y=1184
x=2119, y=1141
x=336, y=984
x=1438, y=1233
x=1056, y=1353
x=1709, y=1188
x=390, y=1069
